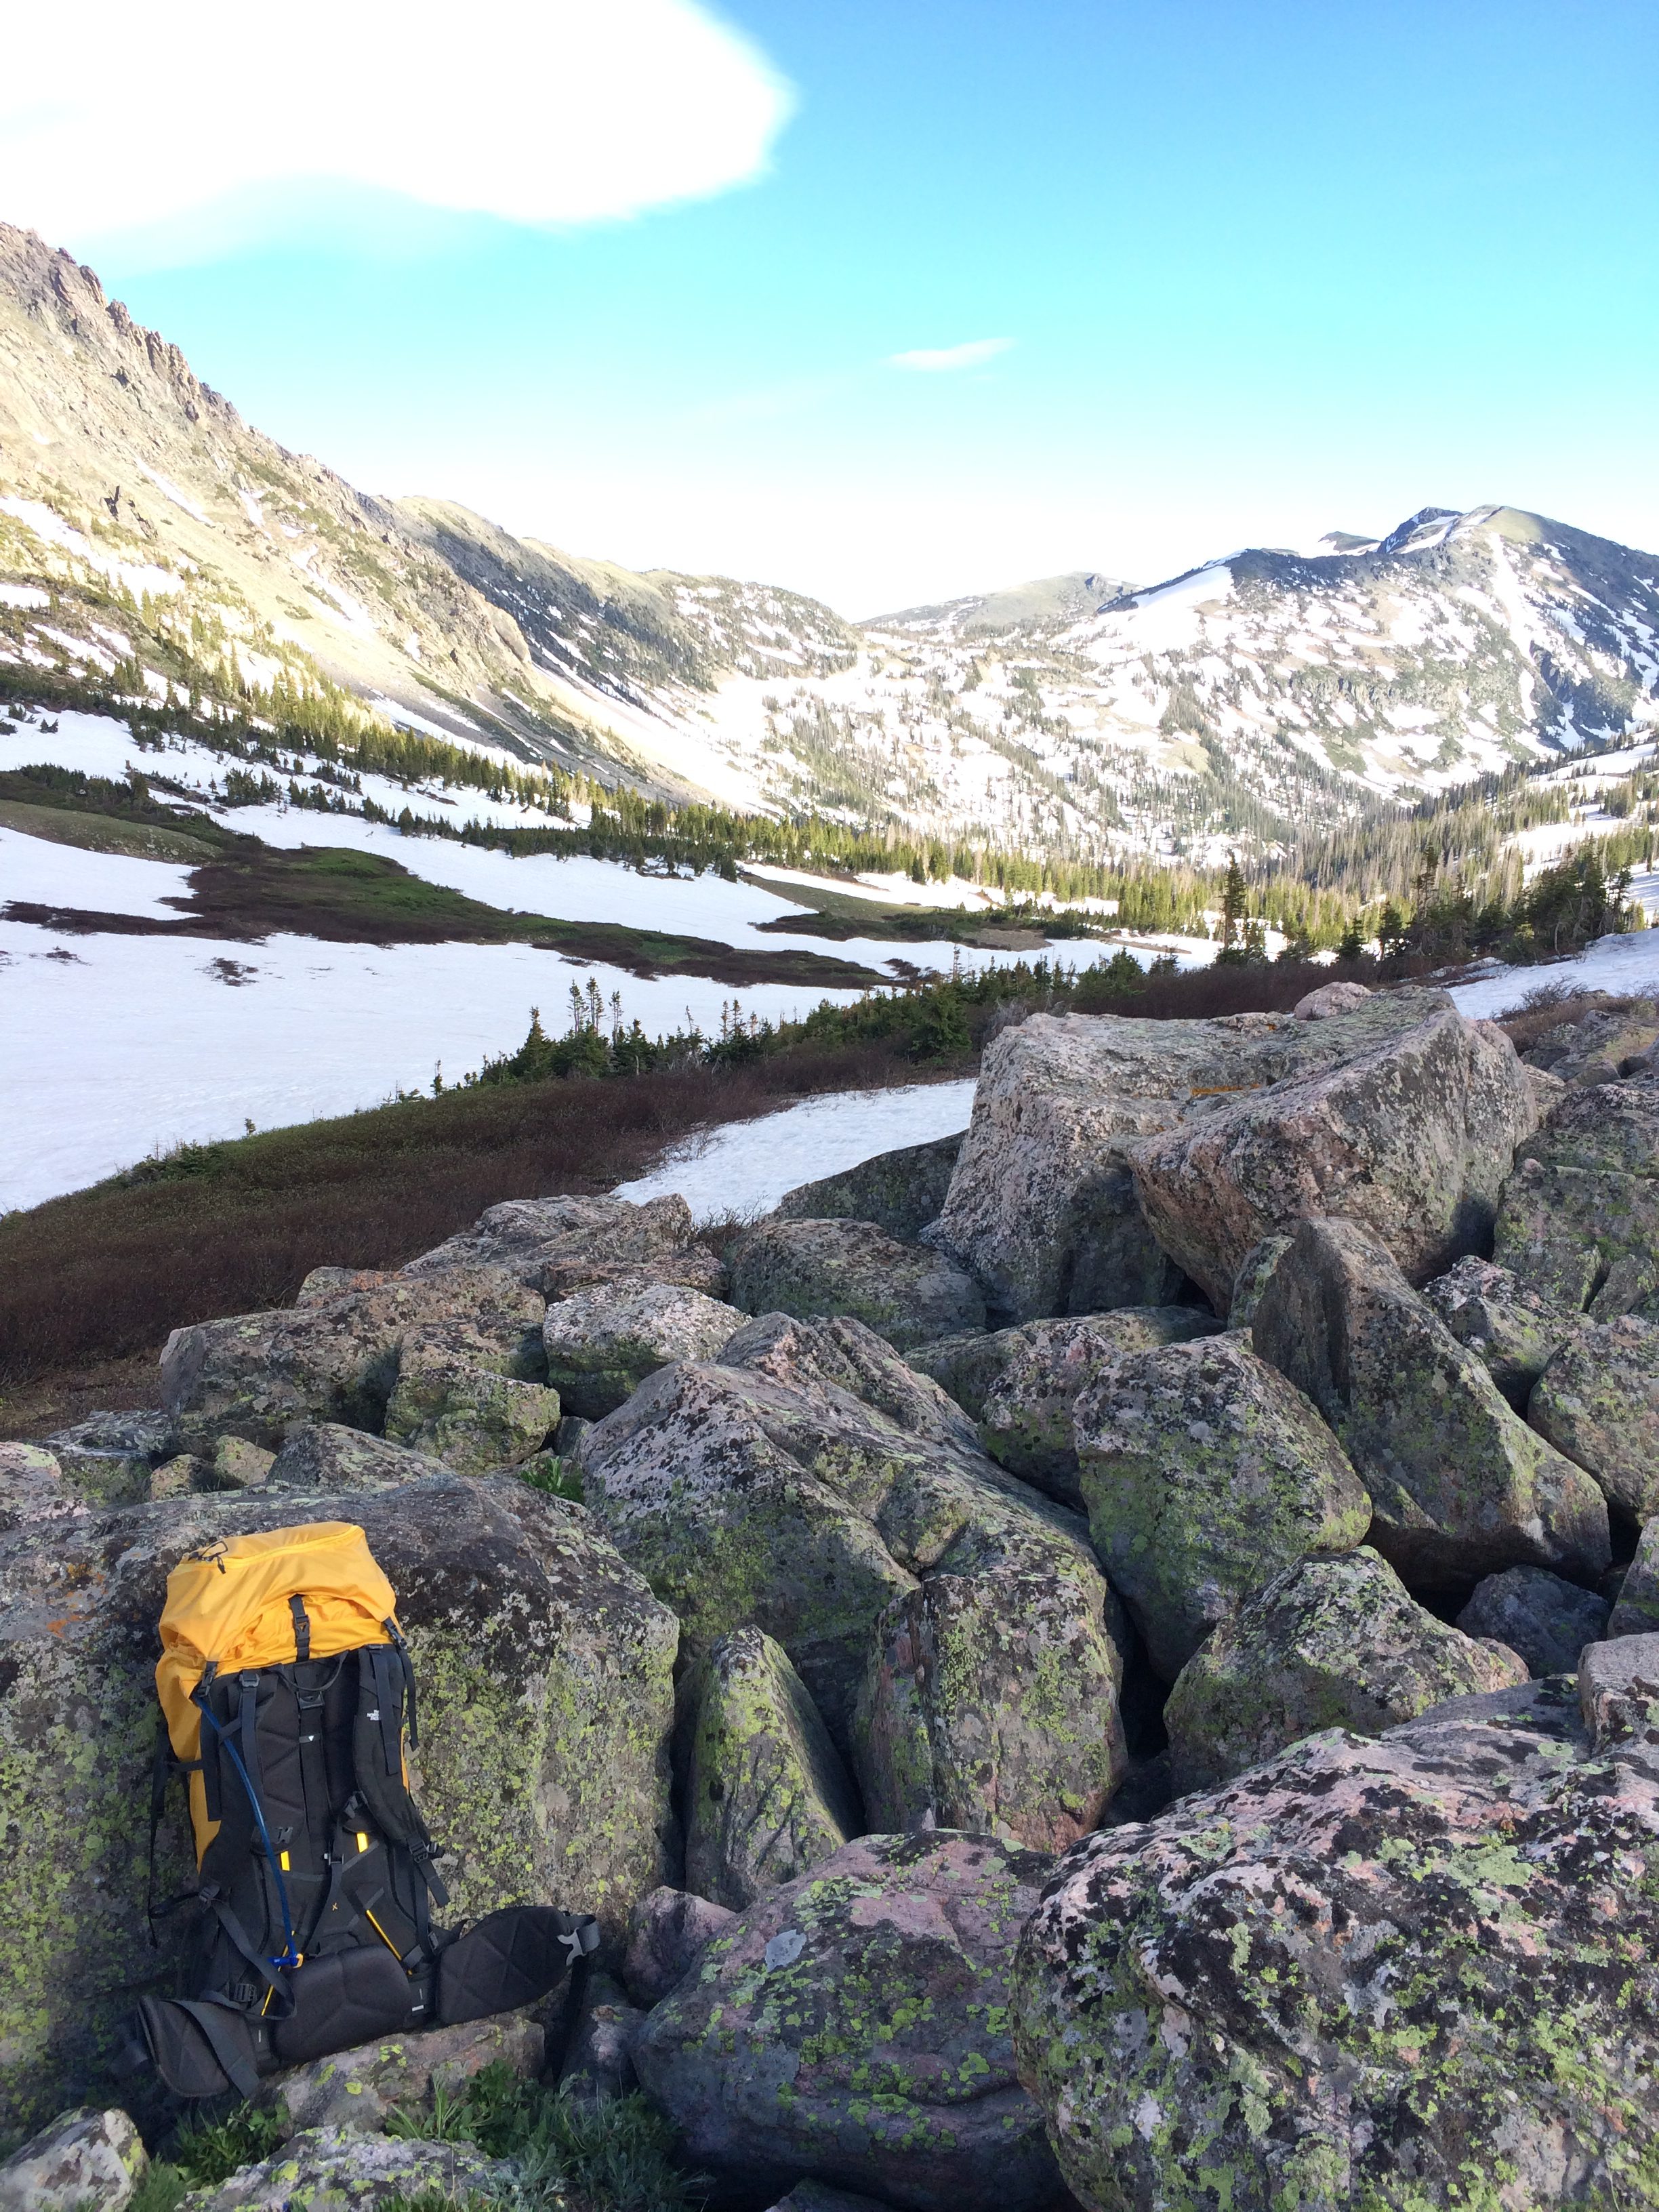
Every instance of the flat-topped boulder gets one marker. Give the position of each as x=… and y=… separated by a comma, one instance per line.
x=602, y=1343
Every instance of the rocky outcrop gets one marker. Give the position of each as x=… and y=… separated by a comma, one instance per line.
x=1412, y=1138
x=327, y=1455
x=767, y=1796
x=558, y=1246
x=254, y=1375
x=853, y=2028
x=85, y=2161
x=1598, y=1401
x=464, y=1411
x=811, y=1511
x=1414, y=1972
x=1205, y=1473
x=1044, y=1366
x=900, y=1191
x=544, y=1667
x=1608, y=1129
x=601, y=1344
x=991, y=1704
x=904, y=1292
x=1511, y=1329
x=1547, y=1620
x=844, y=1352
x=1329, y=1643
x=1462, y=1486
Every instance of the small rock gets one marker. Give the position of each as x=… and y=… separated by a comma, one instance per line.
x=900, y=1191
x=1598, y=1401
x=343, y=2170
x=239, y=1465
x=668, y=1932
x=1328, y=1643
x=602, y=1344
x=466, y=1414
x=177, y=1478
x=1618, y=1691
x=767, y=1796
x=1547, y=1620
x=599, y=2062
x=904, y=1292
x=1330, y=998
x=357, y=2088
x=1462, y=1486
x=82, y=2161
x=1205, y=1474
x=1512, y=1330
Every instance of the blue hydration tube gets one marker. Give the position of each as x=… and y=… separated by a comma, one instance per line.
x=290, y=1957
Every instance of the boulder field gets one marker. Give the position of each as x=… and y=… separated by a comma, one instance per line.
x=1112, y=1660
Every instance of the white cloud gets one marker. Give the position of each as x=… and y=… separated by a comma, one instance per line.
x=535, y=111
x=937, y=360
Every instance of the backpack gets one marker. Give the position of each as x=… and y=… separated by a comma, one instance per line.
x=287, y=1692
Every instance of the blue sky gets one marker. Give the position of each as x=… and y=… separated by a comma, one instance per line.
x=1258, y=270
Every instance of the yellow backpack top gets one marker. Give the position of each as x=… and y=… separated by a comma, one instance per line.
x=233, y=1605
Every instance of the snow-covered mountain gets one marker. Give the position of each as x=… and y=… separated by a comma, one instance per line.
x=152, y=545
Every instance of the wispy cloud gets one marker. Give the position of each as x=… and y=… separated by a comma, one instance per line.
x=535, y=111
x=937, y=361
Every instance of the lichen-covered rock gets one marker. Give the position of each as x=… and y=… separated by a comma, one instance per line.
x=668, y=1931
x=1609, y=1129
x=853, y=2028
x=990, y=1703
x=239, y=1465
x=767, y=1796
x=1407, y=1974
x=1318, y=1005
x=1602, y=1045
x=1598, y=1401
x=358, y=2088
x=1584, y=1241
x=1462, y=1486
x=1511, y=1328
x=1412, y=1139
x=900, y=1191
x=32, y=1493
x=599, y=2058
x=1254, y=1273
x=902, y=1291
x=343, y=2170
x=802, y=1354
x=1205, y=1474
x=1328, y=1643
x=802, y=1510
x=108, y=1457
x=544, y=1669
x=1042, y=1207
x=254, y=1375
x=555, y=1245
x=1025, y=1416
x=328, y=1455
x=1618, y=1692
x=85, y=2161
x=323, y=1284
x=178, y=1477
x=602, y=1344
x=1547, y=1620
x=1636, y=1610
x=464, y=1411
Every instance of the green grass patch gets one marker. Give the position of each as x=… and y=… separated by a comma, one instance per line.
x=102, y=833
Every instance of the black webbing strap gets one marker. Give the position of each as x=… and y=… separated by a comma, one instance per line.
x=234, y=2063
x=388, y=1702
x=402, y=1651
x=297, y=1605
x=162, y=1765
x=244, y=1944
